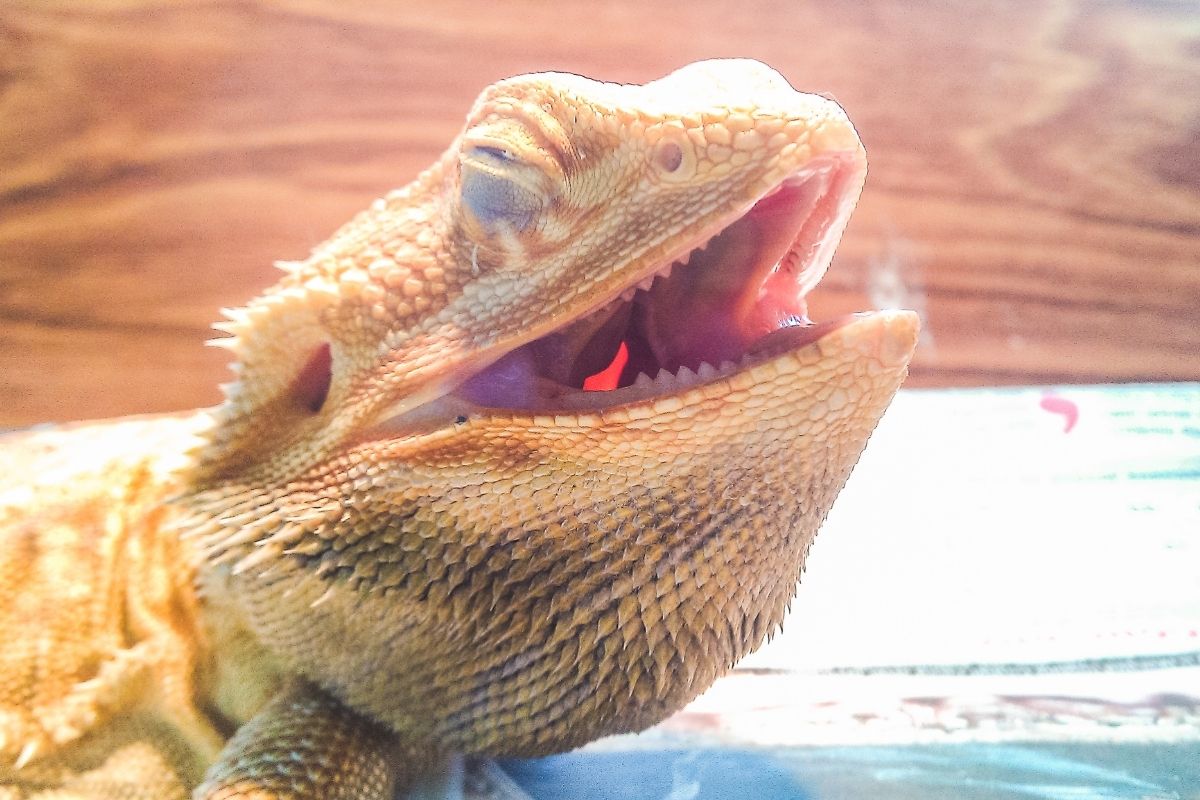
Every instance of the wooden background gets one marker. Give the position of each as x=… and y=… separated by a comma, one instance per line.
x=1034, y=187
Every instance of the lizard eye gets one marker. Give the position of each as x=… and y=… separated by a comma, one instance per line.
x=492, y=188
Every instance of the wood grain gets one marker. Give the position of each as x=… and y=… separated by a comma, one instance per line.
x=1034, y=188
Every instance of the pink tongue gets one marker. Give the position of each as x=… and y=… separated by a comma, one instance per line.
x=735, y=291
x=583, y=348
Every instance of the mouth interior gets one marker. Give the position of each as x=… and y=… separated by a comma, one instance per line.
x=732, y=297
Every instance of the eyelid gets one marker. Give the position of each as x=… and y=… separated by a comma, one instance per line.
x=492, y=151
x=480, y=144
x=484, y=159
x=508, y=145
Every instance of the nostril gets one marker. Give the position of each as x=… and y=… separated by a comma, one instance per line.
x=311, y=386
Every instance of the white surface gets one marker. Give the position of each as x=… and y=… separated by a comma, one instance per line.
x=976, y=531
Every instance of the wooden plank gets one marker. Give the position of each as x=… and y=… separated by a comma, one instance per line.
x=1034, y=189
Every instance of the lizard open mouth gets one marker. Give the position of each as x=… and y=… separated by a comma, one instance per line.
x=732, y=298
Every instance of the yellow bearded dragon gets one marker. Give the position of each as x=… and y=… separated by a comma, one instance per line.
x=529, y=452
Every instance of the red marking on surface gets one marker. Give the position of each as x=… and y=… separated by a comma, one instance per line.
x=1061, y=405
x=606, y=379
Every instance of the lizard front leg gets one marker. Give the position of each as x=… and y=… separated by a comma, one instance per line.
x=304, y=744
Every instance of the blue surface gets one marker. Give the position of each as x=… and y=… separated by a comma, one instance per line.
x=661, y=775
x=916, y=772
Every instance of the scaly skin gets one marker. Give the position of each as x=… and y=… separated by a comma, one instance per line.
x=408, y=530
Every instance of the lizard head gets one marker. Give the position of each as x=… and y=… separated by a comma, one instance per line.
x=555, y=408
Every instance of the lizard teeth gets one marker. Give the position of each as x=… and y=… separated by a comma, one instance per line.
x=647, y=283
x=682, y=378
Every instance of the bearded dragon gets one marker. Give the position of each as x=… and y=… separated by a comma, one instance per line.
x=528, y=453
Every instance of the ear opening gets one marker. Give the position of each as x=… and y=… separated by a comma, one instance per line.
x=311, y=386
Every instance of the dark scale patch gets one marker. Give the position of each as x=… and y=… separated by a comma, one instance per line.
x=589, y=669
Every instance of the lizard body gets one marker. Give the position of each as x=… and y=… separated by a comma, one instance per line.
x=431, y=515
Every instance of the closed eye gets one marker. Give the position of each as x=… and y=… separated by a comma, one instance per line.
x=493, y=191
